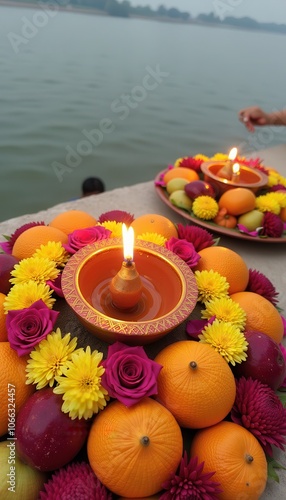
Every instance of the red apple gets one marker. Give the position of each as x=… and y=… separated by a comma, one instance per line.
x=47, y=438
x=7, y=263
x=264, y=362
x=200, y=188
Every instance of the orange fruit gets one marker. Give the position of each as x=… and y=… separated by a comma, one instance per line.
x=31, y=239
x=237, y=201
x=261, y=314
x=227, y=263
x=133, y=450
x=13, y=388
x=3, y=329
x=283, y=214
x=190, y=383
x=182, y=172
x=73, y=219
x=154, y=223
x=236, y=457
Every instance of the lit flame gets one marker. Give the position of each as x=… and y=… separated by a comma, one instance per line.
x=232, y=154
x=236, y=168
x=128, y=242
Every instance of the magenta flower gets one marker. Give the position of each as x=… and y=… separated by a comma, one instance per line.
x=76, y=480
x=56, y=285
x=27, y=327
x=192, y=163
x=82, y=237
x=191, y=483
x=258, y=409
x=7, y=246
x=273, y=226
x=283, y=350
x=259, y=283
x=198, y=236
x=277, y=187
x=117, y=216
x=183, y=249
x=129, y=374
x=194, y=327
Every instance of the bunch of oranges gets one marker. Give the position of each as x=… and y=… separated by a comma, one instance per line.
x=133, y=451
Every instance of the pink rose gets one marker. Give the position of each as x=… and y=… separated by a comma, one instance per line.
x=183, y=249
x=129, y=374
x=27, y=327
x=82, y=237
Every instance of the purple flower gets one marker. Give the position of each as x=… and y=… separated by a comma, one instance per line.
x=183, y=249
x=259, y=283
x=27, y=327
x=194, y=327
x=198, y=236
x=283, y=350
x=82, y=237
x=117, y=216
x=273, y=226
x=129, y=374
x=56, y=285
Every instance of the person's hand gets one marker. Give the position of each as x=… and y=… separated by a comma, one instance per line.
x=253, y=116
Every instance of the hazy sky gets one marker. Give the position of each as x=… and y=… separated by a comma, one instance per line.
x=261, y=10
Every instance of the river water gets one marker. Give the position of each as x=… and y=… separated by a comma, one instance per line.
x=84, y=95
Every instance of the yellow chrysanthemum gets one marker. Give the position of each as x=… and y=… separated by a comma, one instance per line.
x=219, y=157
x=34, y=269
x=48, y=359
x=201, y=157
x=156, y=238
x=211, y=285
x=273, y=179
x=225, y=309
x=267, y=203
x=205, y=207
x=114, y=227
x=227, y=340
x=23, y=295
x=282, y=180
x=80, y=384
x=54, y=251
x=279, y=197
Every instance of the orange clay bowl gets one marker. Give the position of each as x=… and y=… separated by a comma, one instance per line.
x=169, y=291
x=249, y=178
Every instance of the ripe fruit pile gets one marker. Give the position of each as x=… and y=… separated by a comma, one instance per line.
x=235, y=208
x=136, y=451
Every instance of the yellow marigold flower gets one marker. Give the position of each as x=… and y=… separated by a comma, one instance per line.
x=54, y=251
x=80, y=384
x=48, y=359
x=23, y=295
x=205, y=207
x=156, y=238
x=219, y=157
x=273, y=179
x=114, y=227
x=201, y=157
x=211, y=285
x=279, y=197
x=282, y=180
x=225, y=309
x=34, y=269
x=267, y=203
x=226, y=339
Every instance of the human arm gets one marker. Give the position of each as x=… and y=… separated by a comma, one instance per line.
x=255, y=116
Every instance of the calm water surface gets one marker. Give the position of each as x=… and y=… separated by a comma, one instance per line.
x=121, y=99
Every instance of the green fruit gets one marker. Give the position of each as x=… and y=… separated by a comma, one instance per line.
x=181, y=200
x=251, y=220
x=18, y=480
x=176, y=184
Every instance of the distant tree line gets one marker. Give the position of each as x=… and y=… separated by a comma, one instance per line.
x=242, y=22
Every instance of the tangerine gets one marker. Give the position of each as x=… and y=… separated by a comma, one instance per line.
x=73, y=219
x=190, y=383
x=237, y=201
x=261, y=314
x=227, y=263
x=282, y=214
x=3, y=329
x=30, y=240
x=236, y=457
x=182, y=173
x=134, y=450
x=154, y=223
x=13, y=386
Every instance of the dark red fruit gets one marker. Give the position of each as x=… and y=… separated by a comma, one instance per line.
x=200, y=188
x=7, y=263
